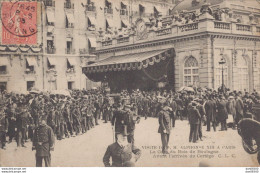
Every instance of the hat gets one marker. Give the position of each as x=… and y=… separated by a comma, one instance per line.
x=124, y=132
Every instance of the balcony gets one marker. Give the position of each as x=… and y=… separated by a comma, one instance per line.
x=108, y=10
x=91, y=8
x=176, y=30
x=123, y=12
x=164, y=31
x=51, y=50
x=188, y=27
x=107, y=43
x=68, y=5
x=70, y=70
x=122, y=40
x=50, y=3
x=70, y=51
x=222, y=25
x=69, y=32
x=51, y=71
x=3, y=72
x=83, y=51
x=29, y=72
x=241, y=27
x=92, y=50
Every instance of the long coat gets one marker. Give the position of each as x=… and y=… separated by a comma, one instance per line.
x=120, y=155
x=222, y=110
x=164, y=122
x=210, y=108
x=43, y=140
x=194, y=115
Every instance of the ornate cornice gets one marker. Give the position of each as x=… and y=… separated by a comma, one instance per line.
x=178, y=39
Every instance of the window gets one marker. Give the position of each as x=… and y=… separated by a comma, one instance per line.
x=242, y=67
x=3, y=69
x=108, y=8
x=123, y=10
x=191, y=72
x=29, y=67
x=30, y=85
x=70, y=85
x=69, y=47
x=71, y=63
x=51, y=63
x=218, y=73
x=68, y=4
x=3, y=86
x=141, y=9
x=50, y=47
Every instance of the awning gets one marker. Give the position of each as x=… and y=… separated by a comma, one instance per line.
x=124, y=3
x=70, y=17
x=128, y=62
x=125, y=23
x=31, y=61
x=72, y=61
x=149, y=10
x=50, y=16
x=93, y=42
x=109, y=22
x=4, y=61
x=92, y=20
x=158, y=9
x=52, y=61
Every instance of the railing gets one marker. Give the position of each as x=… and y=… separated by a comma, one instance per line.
x=164, y=31
x=123, y=12
x=90, y=8
x=188, y=27
x=30, y=72
x=122, y=40
x=68, y=5
x=69, y=32
x=50, y=3
x=107, y=43
x=108, y=10
x=241, y=27
x=70, y=70
x=3, y=72
x=92, y=49
x=83, y=51
x=70, y=51
x=51, y=50
x=222, y=25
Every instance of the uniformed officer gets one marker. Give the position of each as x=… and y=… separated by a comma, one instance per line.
x=121, y=153
x=43, y=143
x=164, y=124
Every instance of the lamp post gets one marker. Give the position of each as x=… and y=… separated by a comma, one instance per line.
x=222, y=62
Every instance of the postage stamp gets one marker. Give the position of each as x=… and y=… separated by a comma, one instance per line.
x=19, y=22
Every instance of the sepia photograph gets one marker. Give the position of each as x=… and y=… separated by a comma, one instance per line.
x=129, y=83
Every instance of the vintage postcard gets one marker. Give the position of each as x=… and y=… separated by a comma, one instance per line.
x=129, y=83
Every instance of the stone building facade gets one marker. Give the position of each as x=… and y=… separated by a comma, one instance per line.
x=66, y=41
x=201, y=33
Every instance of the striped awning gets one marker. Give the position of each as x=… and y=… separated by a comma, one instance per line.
x=135, y=61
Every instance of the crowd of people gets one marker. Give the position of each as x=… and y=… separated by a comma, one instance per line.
x=69, y=116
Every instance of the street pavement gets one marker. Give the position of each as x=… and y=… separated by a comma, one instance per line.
x=218, y=149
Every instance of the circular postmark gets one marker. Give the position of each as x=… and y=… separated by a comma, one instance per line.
x=19, y=18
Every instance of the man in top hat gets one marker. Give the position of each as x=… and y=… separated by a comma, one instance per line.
x=43, y=143
x=211, y=111
x=121, y=152
x=164, y=124
x=194, y=120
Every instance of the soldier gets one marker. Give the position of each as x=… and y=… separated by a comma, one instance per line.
x=164, y=124
x=43, y=143
x=3, y=129
x=121, y=152
x=21, y=123
x=131, y=120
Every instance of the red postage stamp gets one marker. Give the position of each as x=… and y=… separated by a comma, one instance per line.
x=19, y=22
